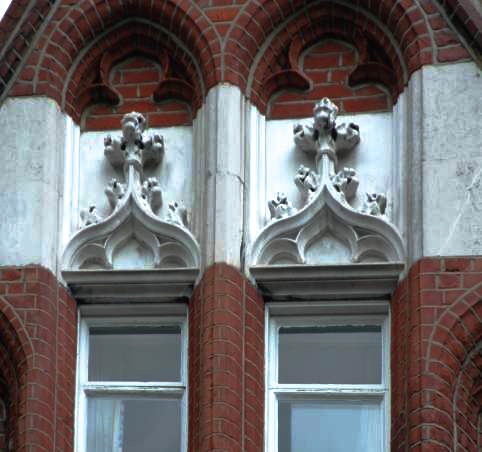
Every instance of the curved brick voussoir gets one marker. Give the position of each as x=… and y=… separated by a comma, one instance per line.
x=263, y=50
x=38, y=336
x=437, y=356
x=69, y=51
x=133, y=67
x=229, y=41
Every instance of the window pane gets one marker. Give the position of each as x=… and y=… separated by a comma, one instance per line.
x=133, y=425
x=135, y=353
x=330, y=355
x=334, y=426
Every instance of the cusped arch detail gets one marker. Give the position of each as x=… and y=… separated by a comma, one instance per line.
x=87, y=80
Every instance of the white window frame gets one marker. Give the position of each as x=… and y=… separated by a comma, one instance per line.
x=321, y=314
x=149, y=315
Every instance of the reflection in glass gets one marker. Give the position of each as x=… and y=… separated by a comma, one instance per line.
x=331, y=426
x=133, y=425
x=141, y=353
x=330, y=354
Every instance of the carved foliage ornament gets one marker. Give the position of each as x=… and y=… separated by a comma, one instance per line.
x=327, y=228
x=135, y=204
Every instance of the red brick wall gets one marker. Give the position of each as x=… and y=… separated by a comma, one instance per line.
x=328, y=66
x=135, y=81
x=436, y=356
x=222, y=38
x=226, y=363
x=3, y=416
x=38, y=328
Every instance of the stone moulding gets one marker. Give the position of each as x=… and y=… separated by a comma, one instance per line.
x=327, y=230
x=91, y=262
x=327, y=282
x=133, y=286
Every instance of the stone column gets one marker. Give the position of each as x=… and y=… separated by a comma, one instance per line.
x=33, y=139
x=219, y=183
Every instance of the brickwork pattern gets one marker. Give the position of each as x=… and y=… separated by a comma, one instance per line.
x=243, y=42
x=226, y=363
x=4, y=428
x=135, y=81
x=436, y=356
x=38, y=330
x=328, y=66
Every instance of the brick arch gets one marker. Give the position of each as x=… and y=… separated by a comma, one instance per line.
x=467, y=401
x=180, y=27
x=377, y=64
x=16, y=354
x=8, y=400
x=466, y=19
x=87, y=81
x=264, y=31
x=453, y=365
x=332, y=69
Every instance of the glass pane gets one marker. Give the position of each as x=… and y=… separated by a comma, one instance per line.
x=330, y=355
x=133, y=425
x=135, y=353
x=331, y=426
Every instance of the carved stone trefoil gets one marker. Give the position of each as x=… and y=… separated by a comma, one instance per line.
x=327, y=228
x=133, y=235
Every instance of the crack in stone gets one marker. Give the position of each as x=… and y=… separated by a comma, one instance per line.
x=470, y=199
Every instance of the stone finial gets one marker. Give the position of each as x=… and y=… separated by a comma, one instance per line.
x=132, y=148
x=323, y=136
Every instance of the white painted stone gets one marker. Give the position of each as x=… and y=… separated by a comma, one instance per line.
x=132, y=233
x=219, y=155
x=372, y=158
x=326, y=228
x=174, y=174
x=33, y=134
x=452, y=160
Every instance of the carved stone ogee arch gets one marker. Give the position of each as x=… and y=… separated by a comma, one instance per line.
x=365, y=233
x=327, y=211
x=166, y=258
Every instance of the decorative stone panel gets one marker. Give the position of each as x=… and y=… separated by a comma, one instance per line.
x=132, y=237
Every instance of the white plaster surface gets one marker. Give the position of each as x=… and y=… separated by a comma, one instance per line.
x=372, y=158
x=174, y=172
x=452, y=160
x=33, y=133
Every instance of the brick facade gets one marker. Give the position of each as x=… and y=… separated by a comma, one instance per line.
x=100, y=59
x=328, y=66
x=38, y=343
x=226, y=363
x=436, y=355
x=135, y=80
x=255, y=45
x=436, y=360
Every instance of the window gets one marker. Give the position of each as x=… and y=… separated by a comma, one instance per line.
x=132, y=384
x=327, y=383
